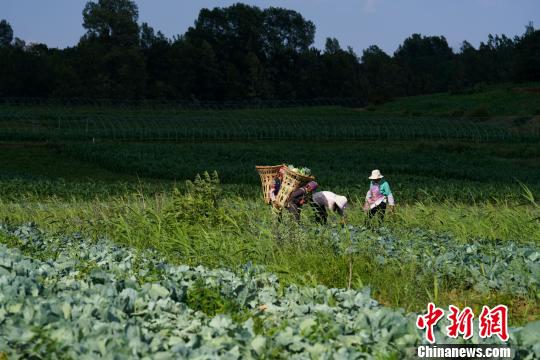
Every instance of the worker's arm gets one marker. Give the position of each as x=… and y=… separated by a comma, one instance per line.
x=298, y=193
x=391, y=203
x=366, y=203
x=385, y=189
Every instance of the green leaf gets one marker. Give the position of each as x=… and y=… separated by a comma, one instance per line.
x=259, y=344
x=157, y=291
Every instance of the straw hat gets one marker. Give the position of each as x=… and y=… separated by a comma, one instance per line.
x=375, y=175
x=341, y=201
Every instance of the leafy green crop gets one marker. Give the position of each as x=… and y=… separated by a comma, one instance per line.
x=447, y=171
x=502, y=266
x=48, y=310
x=57, y=123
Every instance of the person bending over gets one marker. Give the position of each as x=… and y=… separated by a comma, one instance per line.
x=300, y=197
x=327, y=200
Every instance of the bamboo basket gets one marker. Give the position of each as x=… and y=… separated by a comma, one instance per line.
x=291, y=181
x=267, y=174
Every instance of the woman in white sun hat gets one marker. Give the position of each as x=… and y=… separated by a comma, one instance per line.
x=327, y=200
x=378, y=196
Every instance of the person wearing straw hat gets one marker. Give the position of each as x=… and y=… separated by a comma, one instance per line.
x=300, y=197
x=378, y=196
x=327, y=200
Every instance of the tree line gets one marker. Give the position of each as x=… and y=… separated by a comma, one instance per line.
x=243, y=52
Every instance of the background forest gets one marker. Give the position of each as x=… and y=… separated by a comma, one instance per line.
x=244, y=52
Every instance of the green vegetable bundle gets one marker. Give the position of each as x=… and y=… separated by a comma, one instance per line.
x=303, y=170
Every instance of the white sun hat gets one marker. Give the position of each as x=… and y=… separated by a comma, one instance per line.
x=375, y=175
x=341, y=201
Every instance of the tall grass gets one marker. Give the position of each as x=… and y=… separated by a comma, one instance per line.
x=498, y=220
x=187, y=229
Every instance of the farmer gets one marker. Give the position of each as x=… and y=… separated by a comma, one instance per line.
x=327, y=200
x=378, y=196
x=274, y=189
x=300, y=197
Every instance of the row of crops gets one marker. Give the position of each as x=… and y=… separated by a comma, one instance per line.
x=335, y=164
x=179, y=124
x=483, y=265
x=68, y=297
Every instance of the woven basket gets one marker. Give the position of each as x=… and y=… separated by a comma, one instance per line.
x=267, y=174
x=291, y=181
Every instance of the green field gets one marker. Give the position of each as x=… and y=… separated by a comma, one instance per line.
x=466, y=230
x=96, y=123
x=514, y=100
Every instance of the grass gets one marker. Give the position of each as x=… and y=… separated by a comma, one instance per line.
x=244, y=231
x=498, y=220
x=496, y=100
x=30, y=160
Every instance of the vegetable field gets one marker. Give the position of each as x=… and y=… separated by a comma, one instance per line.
x=96, y=299
x=100, y=122
x=115, y=240
x=477, y=172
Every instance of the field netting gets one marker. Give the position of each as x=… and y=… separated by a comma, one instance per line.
x=321, y=120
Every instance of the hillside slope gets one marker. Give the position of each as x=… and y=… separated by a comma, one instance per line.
x=505, y=99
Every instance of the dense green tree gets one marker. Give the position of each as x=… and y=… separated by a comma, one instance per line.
x=157, y=50
x=332, y=46
x=468, y=68
x=112, y=21
x=341, y=74
x=6, y=34
x=526, y=65
x=231, y=31
x=426, y=63
x=382, y=73
x=286, y=30
x=257, y=81
x=244, y=52
x=497, y=58
x=234, y=34
x=19, y=43
x=149, y=38
x=207, y=80
x=257, y=52
x=287, y=40
x=25, y=72
x=110, y=55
